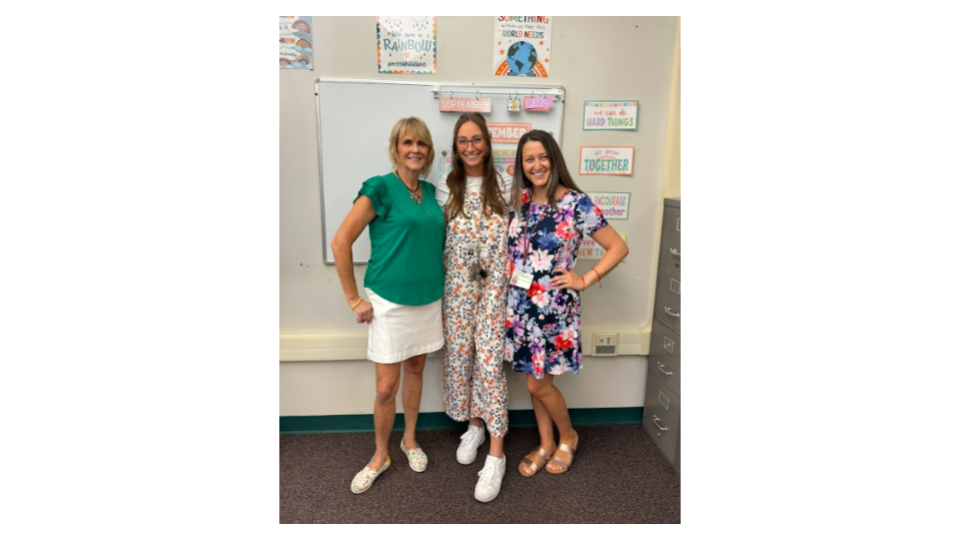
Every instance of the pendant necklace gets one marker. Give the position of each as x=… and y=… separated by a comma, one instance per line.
x=417, y=197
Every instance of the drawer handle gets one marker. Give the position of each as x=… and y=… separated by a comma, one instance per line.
x=658, y=424
x=674, y=252
x=660, y=367
x=670, y=313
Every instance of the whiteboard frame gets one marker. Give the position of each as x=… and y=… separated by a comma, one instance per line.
x=439, y=89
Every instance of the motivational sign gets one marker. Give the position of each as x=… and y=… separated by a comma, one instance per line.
x=504, y=161
x=613, y=205
x=610, y=160
x=464, y=105
x=506, y=133
x=538, y=103
x=521, y=46
x=296, y=42
x=407, y=45
x=610, y=115
x=590, y=250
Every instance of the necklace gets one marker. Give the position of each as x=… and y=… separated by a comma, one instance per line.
x=417, y=197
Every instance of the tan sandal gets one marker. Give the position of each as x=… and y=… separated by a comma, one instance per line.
x=534, y=467
x=562, y=463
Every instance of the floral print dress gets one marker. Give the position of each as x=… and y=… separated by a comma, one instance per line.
x=474, y=382
x=543, y=322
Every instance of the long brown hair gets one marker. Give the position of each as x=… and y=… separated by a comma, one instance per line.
x=559, y=175
x=457, y=179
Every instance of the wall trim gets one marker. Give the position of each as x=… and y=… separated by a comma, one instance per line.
x=333, y=347
x=353, y=423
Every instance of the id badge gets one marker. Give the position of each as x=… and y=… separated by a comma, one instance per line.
x=484, y=251
x=521, y=279
x=469, y=252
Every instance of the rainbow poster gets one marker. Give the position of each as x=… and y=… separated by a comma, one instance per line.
x=521, y=46
x=296, y=42
x=407, y=45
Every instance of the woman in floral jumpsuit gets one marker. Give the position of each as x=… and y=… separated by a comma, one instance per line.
x=476, y=206
x=543, y=303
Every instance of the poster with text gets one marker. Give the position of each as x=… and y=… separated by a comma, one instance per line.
x=613, y=205
x=296, y=42
x=407, y=45
x=610, y=115
x=608, y=160
x=507, y=132
x=521, y=46
x=590, y=250
x=504, y=161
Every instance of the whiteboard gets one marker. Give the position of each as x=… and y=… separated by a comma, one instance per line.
x=354, y=119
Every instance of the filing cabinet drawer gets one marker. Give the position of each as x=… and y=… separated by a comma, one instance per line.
x=661, y=418
x=667, y=306
x=670, y=237
x=664, y=359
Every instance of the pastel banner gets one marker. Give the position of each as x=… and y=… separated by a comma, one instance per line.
x=538, y=103
x=521, y=46
x=610, y=160
x=611, y=115
x=504, y=161
x=296, y=42
x=506, y=133
x=407, y=45
x=590, y=250
x=613, y=205
x=464, y=104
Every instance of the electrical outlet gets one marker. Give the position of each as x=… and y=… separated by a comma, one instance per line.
x=606, y=343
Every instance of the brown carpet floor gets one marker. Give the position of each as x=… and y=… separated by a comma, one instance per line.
x=618, y=476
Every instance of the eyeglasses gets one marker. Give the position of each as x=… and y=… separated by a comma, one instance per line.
x=476, y=142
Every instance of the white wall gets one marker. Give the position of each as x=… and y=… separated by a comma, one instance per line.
x=593, y=58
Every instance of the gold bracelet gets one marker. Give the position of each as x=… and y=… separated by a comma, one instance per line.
x=353, y=307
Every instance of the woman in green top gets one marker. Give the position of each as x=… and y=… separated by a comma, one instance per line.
x=403, y=282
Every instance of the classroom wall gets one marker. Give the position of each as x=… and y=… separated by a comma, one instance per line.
x=593, y=58
x=671, y=180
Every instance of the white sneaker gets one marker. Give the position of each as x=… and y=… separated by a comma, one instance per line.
x=469, y=442
x=488, y=487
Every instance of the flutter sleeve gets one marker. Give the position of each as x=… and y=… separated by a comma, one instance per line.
x=376, y=189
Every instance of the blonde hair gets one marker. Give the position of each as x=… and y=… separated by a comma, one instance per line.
x=417, y=129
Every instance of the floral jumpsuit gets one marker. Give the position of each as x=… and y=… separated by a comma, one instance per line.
x=474, y=310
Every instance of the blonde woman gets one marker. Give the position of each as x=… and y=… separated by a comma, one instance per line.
x=403, y=284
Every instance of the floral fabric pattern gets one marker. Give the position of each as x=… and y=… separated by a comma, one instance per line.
x=543, y=322
x=474, y=383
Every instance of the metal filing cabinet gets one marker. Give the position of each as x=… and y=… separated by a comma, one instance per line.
x=661, y=408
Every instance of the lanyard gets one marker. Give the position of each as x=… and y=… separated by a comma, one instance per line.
x=481, y=239
x=481, y=222
x=529, y=239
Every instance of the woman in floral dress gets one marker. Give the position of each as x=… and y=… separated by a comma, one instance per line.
x=475, y=201
x=543, y=301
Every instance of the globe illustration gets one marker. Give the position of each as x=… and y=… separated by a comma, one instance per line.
x=521, y=57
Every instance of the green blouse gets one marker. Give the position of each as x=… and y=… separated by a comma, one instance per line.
x=406, y=242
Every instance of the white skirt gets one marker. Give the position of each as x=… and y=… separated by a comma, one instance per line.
x=398, y=332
